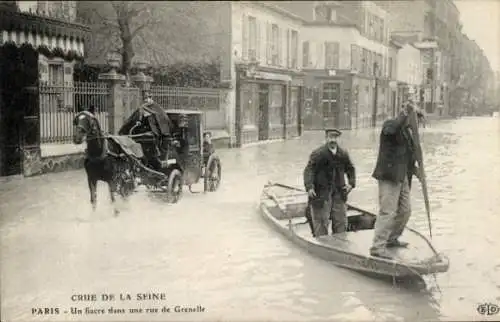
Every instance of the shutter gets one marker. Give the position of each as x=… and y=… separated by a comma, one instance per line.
x=319, y=55
x=244, y=37
x=288, y=48
x=281, y=46
x=268, y=44
x=257, y=41
x=327, y=55
x=305, y=54
x=335, y=55
x=354, y=57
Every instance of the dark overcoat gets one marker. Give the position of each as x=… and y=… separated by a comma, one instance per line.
x=396, y=157
x=326, y=173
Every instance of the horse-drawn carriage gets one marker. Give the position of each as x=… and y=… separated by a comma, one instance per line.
x=176, y=151
x=161, y=149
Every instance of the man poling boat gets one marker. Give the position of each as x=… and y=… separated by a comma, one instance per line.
x=398, y=156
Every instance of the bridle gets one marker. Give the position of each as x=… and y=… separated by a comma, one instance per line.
x=92, y=132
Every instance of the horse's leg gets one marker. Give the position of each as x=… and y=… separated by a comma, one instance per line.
x=93, y=192
x=112, y=190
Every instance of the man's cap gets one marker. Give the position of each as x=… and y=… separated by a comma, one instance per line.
x=333, y=131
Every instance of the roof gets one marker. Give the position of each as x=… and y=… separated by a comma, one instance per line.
x=302, y=9
x=280, y=8
x=182, y=111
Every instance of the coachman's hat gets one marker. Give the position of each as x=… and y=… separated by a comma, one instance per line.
x=333, y=131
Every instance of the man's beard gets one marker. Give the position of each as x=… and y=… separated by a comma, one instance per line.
x=332, y=145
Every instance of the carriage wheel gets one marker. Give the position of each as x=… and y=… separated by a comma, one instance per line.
x=174, y=188
x=212, y=176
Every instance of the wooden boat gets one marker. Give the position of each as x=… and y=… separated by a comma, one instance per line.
x=284, y=208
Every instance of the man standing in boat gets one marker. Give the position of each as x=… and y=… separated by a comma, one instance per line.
x=396, y=165
x=324, y=180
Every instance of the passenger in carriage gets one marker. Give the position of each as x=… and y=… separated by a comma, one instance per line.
x=208, y=147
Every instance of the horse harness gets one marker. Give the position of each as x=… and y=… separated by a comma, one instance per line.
x=95, y=133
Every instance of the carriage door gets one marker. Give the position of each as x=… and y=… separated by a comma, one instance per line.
x=331, y=104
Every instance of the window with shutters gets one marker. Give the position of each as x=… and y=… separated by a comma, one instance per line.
x=371, y=60
x=43, y=6
x=294, y=49
x=306, y=55
x=252, y=38
x=355, y=57
x=275, y=59
x=331, y=55
x=325, y=13
x=382, y=30
x=364, y=62
x=379, y=65
x=244, y=37
x=56, y=73
x=389, y=67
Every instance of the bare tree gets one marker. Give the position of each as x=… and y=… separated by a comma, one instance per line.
x=155, y=31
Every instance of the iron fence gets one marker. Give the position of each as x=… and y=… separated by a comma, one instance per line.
x=187, y=98
x=59, y=104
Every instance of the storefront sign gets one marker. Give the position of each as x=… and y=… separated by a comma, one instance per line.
x=332, y=72
x=272, y=76
x=297, y=82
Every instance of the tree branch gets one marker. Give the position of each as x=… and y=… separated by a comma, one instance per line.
x=141, y=27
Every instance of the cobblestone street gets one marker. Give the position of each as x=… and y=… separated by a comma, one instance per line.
x=213, y=249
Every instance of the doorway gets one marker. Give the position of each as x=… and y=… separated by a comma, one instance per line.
x=11, y=120
x=263, y=112
x=331, y=104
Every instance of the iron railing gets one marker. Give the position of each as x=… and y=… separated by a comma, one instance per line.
x=59, y=104
x=204, y=99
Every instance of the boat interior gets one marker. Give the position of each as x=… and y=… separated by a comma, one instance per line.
x=288, y=208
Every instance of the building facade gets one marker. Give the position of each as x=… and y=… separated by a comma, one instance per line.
x=347, y=61
x=409, y=73
x=264, y=67
x=40, y=41
x=434, y=27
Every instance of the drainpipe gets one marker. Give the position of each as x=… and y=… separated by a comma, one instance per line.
x=375, y=96
x=237, y=116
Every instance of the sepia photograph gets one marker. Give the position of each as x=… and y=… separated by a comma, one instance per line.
x=250, y=160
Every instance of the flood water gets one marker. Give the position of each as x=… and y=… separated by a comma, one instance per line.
x=214, y=250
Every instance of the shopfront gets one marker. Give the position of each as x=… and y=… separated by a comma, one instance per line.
x=330, y=100
x=269, y=105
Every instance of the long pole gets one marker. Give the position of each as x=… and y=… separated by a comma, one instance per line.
x=420, y=160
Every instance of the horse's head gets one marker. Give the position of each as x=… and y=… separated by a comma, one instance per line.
x=85, y=126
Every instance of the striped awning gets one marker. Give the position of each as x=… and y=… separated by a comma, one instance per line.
x=22, y=37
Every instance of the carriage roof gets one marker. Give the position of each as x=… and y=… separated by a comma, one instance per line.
x=182, y=111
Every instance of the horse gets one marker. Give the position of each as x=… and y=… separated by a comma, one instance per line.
x=98, y=164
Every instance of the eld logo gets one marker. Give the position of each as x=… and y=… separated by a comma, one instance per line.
x=488, y=309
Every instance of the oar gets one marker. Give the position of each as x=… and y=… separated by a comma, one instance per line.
x=412, y=117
